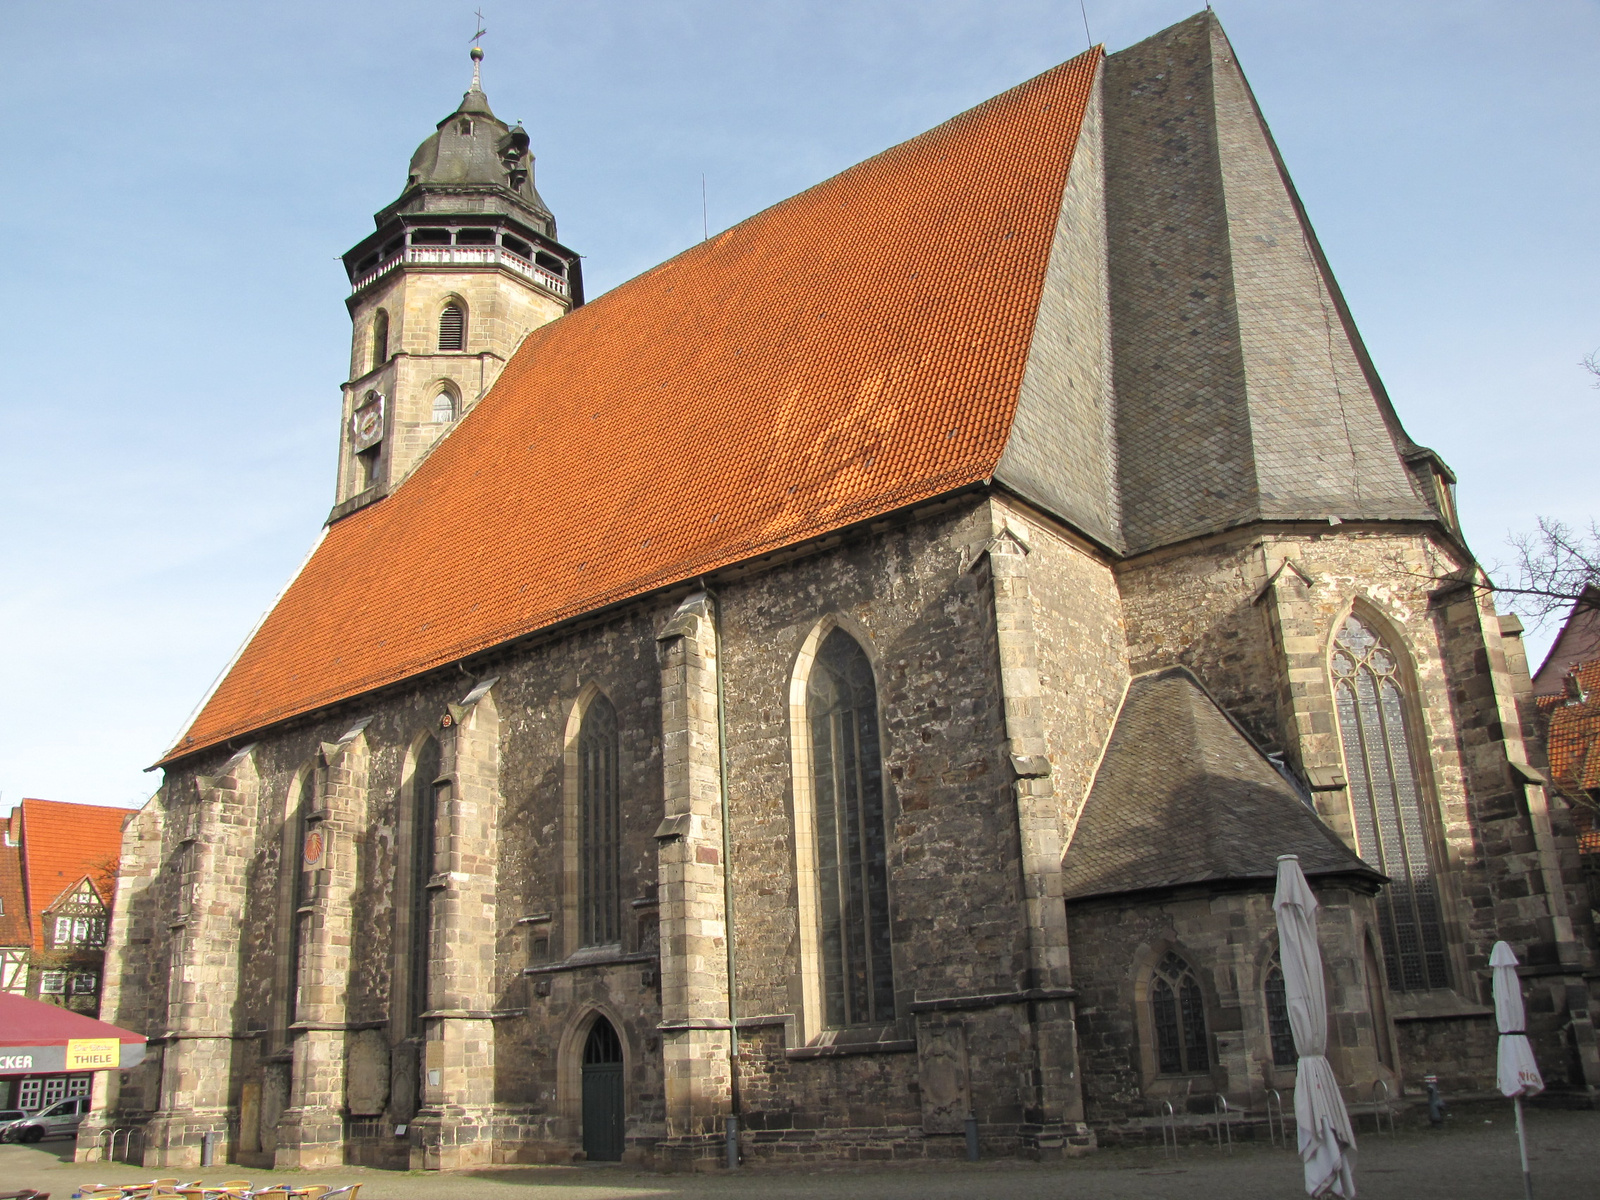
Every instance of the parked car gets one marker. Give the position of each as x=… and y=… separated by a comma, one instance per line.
x=8, y=1118
x=61, y=1119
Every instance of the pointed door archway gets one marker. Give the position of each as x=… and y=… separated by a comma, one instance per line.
x=602, y=1094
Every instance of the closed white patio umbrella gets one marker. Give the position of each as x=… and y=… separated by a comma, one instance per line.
x=1518, y=1073
x=1326, y=1139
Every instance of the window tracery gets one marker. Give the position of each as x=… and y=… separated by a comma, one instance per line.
x=852, y=870
x=1178, y=1016
x=599, y=843
x=1386, y=802
x=1279, y=1031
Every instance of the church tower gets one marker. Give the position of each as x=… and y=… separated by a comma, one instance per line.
x=460, y=268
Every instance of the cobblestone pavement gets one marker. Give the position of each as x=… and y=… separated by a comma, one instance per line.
x=1475, y=1158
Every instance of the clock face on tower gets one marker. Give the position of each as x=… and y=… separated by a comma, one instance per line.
x=366, y=423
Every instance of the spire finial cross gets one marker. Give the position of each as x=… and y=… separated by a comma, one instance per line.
x=477, y=53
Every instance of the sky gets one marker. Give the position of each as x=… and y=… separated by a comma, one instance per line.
x=179, y=180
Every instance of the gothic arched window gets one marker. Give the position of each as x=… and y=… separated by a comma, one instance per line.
x=444, y=408
x=1386, y=801
x=424, y=841
x=852, y=872
x=1279, y=1030
x=1178, y=1016
x=452, y=327
x=380, y=339
x=599, y=821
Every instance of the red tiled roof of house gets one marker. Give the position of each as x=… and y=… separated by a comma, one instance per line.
x=1572, y=740
x=851, y=351
x=13, y=907
x=1577, y=643
x=62, y=843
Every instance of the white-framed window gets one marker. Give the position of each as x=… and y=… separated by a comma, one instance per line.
x=28, y=1093
x=53, y=983
x=63, y=931
x=79, y=1085
x=85, y=983
x=55, y=1088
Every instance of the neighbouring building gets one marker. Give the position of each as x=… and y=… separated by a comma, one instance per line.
x=58, y=877
x=854, y=677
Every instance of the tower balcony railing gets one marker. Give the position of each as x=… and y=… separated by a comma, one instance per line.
x=465, y=255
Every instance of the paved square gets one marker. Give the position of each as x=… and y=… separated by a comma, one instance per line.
x=1474, y=1158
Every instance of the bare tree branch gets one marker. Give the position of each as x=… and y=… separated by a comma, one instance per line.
x=1556, y=568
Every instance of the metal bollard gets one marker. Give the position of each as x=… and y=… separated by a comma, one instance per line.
x=733, y=1142
x=1436, y=1104
x=208, y=1148
x=972, y=1138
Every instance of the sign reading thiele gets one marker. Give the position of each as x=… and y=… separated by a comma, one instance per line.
x=93, y=1054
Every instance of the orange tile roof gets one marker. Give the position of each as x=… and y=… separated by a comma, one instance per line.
x=1572, y=740
x=62, y=843
x=850, y=351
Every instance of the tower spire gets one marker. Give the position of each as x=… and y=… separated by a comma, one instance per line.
x=477, y=54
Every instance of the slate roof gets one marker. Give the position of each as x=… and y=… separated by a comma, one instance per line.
x=1183, y=796
x=451, y=161
x=14, y=917
x=851, y=351
x=63, y=843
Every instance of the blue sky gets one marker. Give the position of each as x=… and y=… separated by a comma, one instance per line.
x=180, y=178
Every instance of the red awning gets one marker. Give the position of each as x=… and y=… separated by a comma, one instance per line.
x=40, y=1038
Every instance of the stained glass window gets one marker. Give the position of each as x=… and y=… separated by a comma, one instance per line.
x=1178, y=1013
x=424, y=835
x=599, y=843
x=1278, y=1028
x=852, y=873
x=1386, y=800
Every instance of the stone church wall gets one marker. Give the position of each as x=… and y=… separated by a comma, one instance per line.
x=1229, y=940
x=918, y=595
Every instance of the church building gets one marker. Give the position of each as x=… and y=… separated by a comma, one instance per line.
x=851, y=683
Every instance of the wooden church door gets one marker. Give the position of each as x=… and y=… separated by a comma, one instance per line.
x=602, y=1094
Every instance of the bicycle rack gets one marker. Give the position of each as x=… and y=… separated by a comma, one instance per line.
x=127, y=1133
x=1381, y=1107
x=1224, y=1116
x=1277, y=1126
x=1169, y=1130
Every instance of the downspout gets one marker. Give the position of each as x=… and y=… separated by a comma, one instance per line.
x=727, y=888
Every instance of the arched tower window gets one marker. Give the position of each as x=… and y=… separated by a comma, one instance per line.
x=600, y=819
x=452, y=327
x=444, y=408
x=380, y=339
x=424, y=839
x=1178, y=1016
x=852, y=872
x=1278, y=1028
x=1386, y=800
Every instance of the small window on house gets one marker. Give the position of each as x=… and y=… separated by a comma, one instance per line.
x=444, y=408
x=63, y=931
x=452, y=327
x=85, y=984
x=466, y=128
x=1278, y=1027
x=53, y=983
x=1178, y=1015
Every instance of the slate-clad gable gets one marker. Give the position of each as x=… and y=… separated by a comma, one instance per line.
x=1183, y=797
